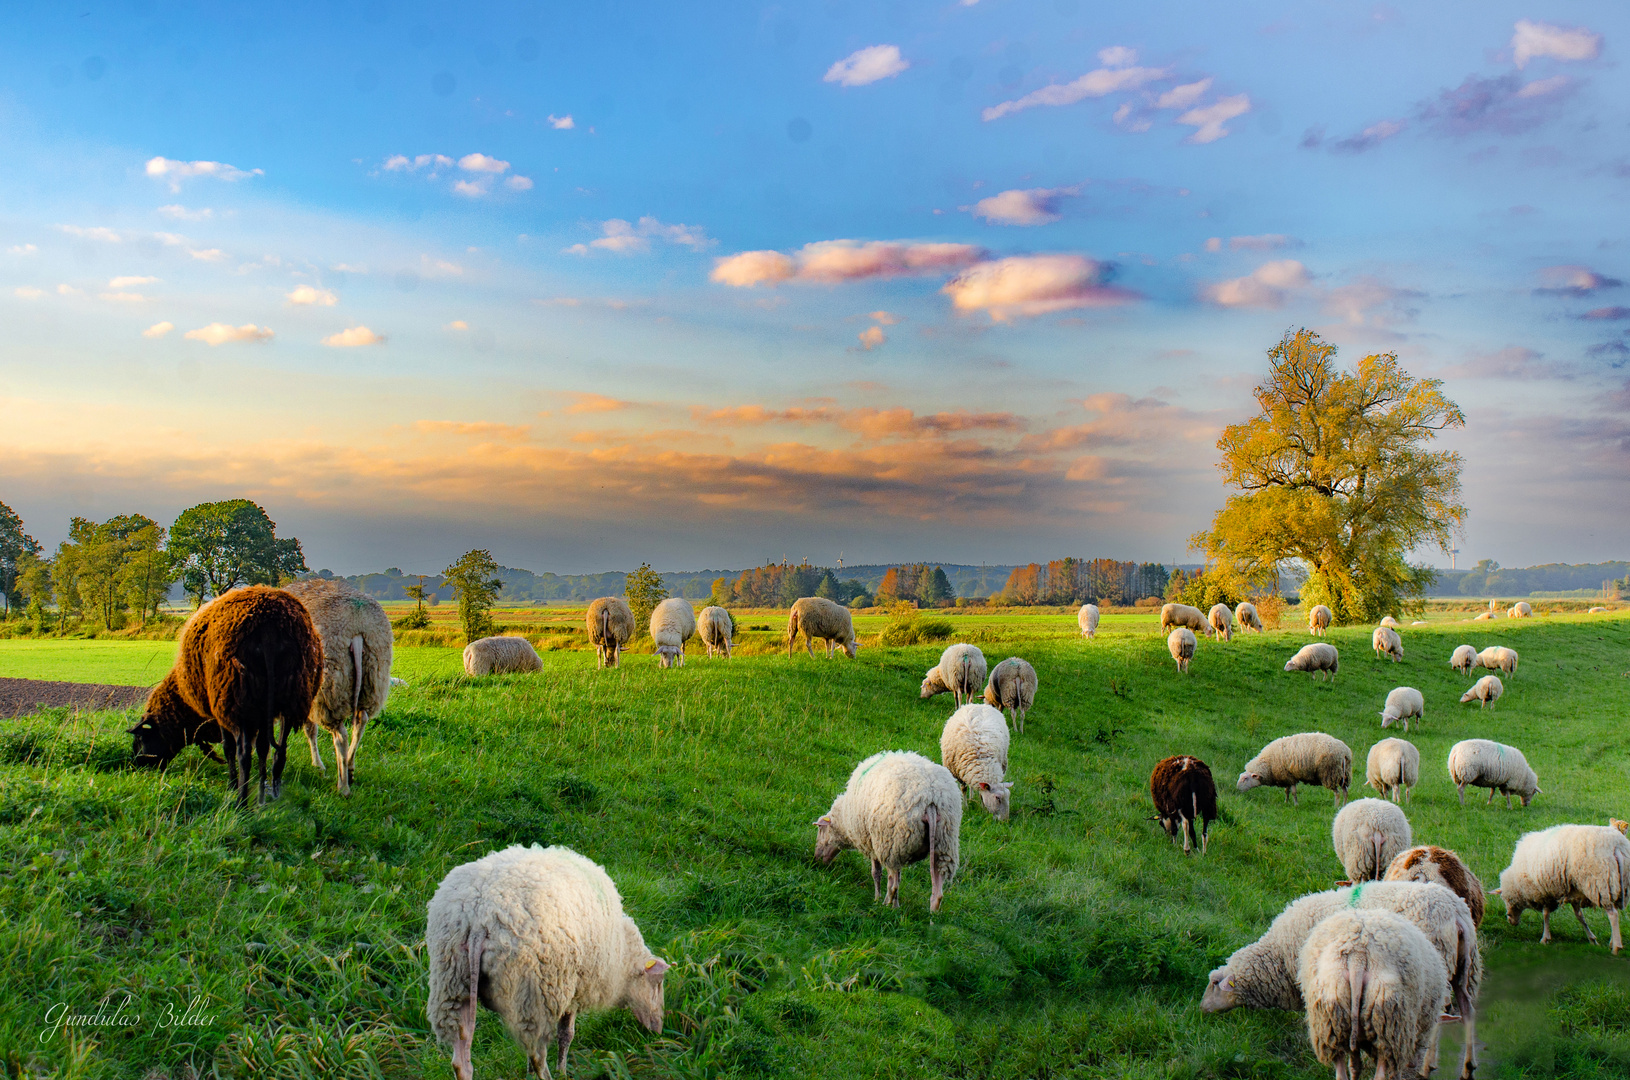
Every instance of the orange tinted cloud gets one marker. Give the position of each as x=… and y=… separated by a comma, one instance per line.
x=832, y=261
x=867, y=422
x=1028, y=285
x=594, y=403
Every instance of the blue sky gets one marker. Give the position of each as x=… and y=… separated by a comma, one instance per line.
x=703, y=285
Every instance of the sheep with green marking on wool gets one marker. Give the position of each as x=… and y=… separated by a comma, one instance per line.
x=973, y=747
x=1393, y=766
x=898, y=808
x=1402, y=704
x=1367, y=835
x=1012, y=686
x=1500, y=768
x=1485, y=691
x=1577, y=865
x=673, y=622
x=960, y=673
x=1499, y=658
x=1311, y=757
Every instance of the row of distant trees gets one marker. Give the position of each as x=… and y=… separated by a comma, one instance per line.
x=1083, y=581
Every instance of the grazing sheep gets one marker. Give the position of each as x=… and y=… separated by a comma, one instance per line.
x=1368, y=834
x=714, y=625
x=1500, y=768
x=1012, y=685
x=537, y=935
x=899, y=808
x=817, y=617
x=1318, y=619
x=1418, y=622
x=1184, y=794
x=960, y=672
x=1389, y=621
x=1403, y=702
x=1486, y=691
x=1183, y=615
x=1484, y=617
x=244, y=659
x=1440, y=866
x=1180, y=643
x=1317, y=657
x=1520, y=610
x=1087, y=620
x=610, y=623
x=356, y=638
x=1222, y=621
x=501, y=656
x=1373, y=984
x=1499, y=658
x=1386, y=642
x=1311, y=757
x=974, y=747
x=1246, y=616
x=1464, y=659
x=1577, y=865
x=673, y=622
x=1394, y=766
x=1596, y=611
x=1494, y=605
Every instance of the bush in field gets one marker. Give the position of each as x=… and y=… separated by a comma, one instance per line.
x=644, y=591
x=906, y=628
x=475, y=579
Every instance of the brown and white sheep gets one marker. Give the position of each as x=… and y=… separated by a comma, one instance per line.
x=1185, y=798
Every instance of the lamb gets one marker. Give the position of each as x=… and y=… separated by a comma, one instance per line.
x=1486, y=691
x=673, y=622
x=1403, y=702
x=1087, y=620
x=1316, y=657
x=1246, y=616
x=1311, y=757
x=1577, y=865
x=899, y=808
x=1393, y=765
x=818, y=617
x=1464, y=659
x=1389, y=621
x=715, y=626
x=244, y=659
x=1500, y=768
x=1012, y=686
x=1520, y=610
x=537, y=935
x=1183, y=615
x=1499, y=658
x=357, y=640
x=1373, y=984
x=1386, y=642
x=1440, y=866
x=1180, y=643
x=1318, y=619
x=610, y=623
x=1184, y=794
x=960, y=672
x=501, y=656
x=1368, y=834
x=974, y=747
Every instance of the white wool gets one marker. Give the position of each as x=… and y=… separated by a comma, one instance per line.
x=960, y=673
x=1311, y=757
x=974, y=747
x=1367, y=835
x=1393, y=766
x=1577, y=865
x=1499, y=658
x=1319, y=619
x=501, y=656
x=357, y=647
x=1012, y=686
x=1500, y=768
x=714, y=626
x=610, y=623
x=1087, y=620
x=1386, y=642
x=1485, y=691
x=1464, y=659
x=896, y=806
x=673, y=622
x=1221, y=621
x=1388, y=620
x=1521, y=610
x=1403, y=703
x=817, y=617
x=1180, y=643
x=1246, y=616
x=1183, y=615
x=1318, y=657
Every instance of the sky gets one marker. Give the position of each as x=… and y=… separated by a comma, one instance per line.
x=715, y=284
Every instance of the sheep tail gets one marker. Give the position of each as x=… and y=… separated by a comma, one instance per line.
x=1355, y=980
x=466, y=1018
x=356, y=678
x=792, y=630
x=1379, y=843
x=477, y=942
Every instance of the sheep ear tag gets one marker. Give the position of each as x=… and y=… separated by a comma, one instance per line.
x=983, y=786
x=825, y=819
x=656, y=967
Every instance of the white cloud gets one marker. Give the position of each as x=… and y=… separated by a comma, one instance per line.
x=884, y=318
x=1214, y=244
x=831, y=261
x=439, y=268
x=177, y=212
x=575, y=249
x=210, y=255
x=872, y=337
x=1266, y=287
x=95, y=232
x=623, y=238
x=1030, y=206
x=28, y=292
x=561, y=123
x=122, y=297
x=23, y=249
x=481, y=163
x=158, y=330
x=176, y=171
x=1029, y=285
x=868, y=65
x=457, y=324
x=127, y=282
x=1094, y=84
x=1117, y=56
x=1535, y=39
x=310, y=294
x=68, y=290
x=1260, y=242
x=1544, y=87
x=472, y=189
x=1181, y=97
x=347, y=268
x=403, y=163
x=221, y=333
x=355, y=336
x=1209, y=119
x=519, y=183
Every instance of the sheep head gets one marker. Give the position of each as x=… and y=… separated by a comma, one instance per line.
x=155, y=743
x=997, y=797
x=1249, y=780
x=643, y=991
x=828, y=841
x=1219, y=995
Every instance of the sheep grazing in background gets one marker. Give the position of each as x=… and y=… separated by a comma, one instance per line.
x=1318, y=619
x=1483, y=617
x=1386, y=642
x=1310, y=757
x=1373, y=984
x=1521, y=610
x=501, y=656
x=1185, y=798
x=1247, y=618
x=1496, y=766
x=1389, y=622
x=898, y=808
x=1596, y=611
x=714, y=625
x=1485, y=691
x=1319, y=657
x=610, y=623
x=1577, y=865
x=960, y=672
x=1222, y=621
x=356, y=639
x=816, y=617
x=537, y=935
x=1393, y=766
x=1464, y=659
x=1182, y=615
x=1494, y=605
x=1499, y=658
x=244, y=659
x=1180, y=643
x=1012, y=686
x=1403, y=702
x=1087, y=620
x=673, y=622
x=1368, y=834
x=973, y=747
x=1440, y=866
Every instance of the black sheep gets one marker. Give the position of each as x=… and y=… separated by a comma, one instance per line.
x=1184, y=794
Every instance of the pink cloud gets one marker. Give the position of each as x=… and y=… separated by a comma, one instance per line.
x=1029, y=285
x=832, y=261
x=1267, y=286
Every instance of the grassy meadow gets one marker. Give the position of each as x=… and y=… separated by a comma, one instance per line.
x=1075, y=941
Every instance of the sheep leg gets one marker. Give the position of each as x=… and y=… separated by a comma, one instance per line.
x=1462, y=788
x=229, y=747
x=1491, y=797
x=1290, y=793
x=809, y=646
x=564, y=1033
x=280, y=756
x=1614, y=941
x=1545, y=924
x=892, y=897
x=316, y=755
x=936, y=875
x=342, y=753
x=1580, y=915
x=1508, y=800
x=877, y=880
x=357, y=727
x=1186, y=845
x=466, y=1012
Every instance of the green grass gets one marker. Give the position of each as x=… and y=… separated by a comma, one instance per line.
x=120, y=663
x=1074, y=942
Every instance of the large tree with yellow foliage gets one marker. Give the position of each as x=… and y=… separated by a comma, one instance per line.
x=1336, y=472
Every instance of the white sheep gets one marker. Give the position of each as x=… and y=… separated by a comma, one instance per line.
x=1373, y=984
x=960, y=672
x=1520, y=610
x=1222, y=621
x=1317, y=657
x=1246, y=616
x=1578, y=865
x=1596, y=611
x=714, y=625
x=1310, y=757
x=1087, y=620
x=357, y=642
x=1368, y=834
x=1389, y=621
x=1386, y=642
x=1319, y=619
x=1180, y=643
x=1184, y=615
x=898, y=808
x=1485, y=691
x=1393, y=766
x=1440, y=866
x=1494, y=605
x=610, y=623
x=1499, y=658
x=1464, y=659
x=974, y=747
x=673, y=622
x=1403, y=702
x=537, y=935
x=1484, y=617
x=1500, y=768
x=818, y=617
x=1012, y=686
x=501, y=656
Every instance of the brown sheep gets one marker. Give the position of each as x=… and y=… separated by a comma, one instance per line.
x=1440, y=866
x=245, y=659
x=1184, y=794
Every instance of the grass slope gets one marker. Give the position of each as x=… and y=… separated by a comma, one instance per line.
x=1074, y=942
